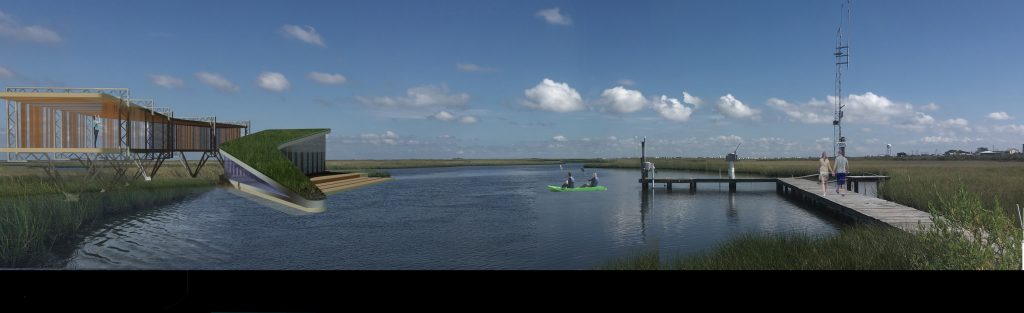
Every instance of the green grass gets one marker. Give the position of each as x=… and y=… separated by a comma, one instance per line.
x=416, y=163
x=992, y=241
x=31, y=222
x=260, y=151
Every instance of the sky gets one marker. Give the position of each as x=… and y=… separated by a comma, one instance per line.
x=548, y=79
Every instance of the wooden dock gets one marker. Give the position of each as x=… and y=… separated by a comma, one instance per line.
x=694, y=181
x=860, y=208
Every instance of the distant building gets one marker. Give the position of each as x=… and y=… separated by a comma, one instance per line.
x=1014, y=151
x=992, y=153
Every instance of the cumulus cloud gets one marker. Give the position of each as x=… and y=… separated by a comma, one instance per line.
x=307, y=35
x=734, y=108
x=6, y=73
x=388, y=137
x=553, y=96
x=1011, y=129
x=671, y=109
x=559, y=138
x=870, y=107
x=930, y=107
x=948, y=139
x=621, y=100
x=553, y=16
x=166, y=81
x=443, y=116
x=999, y=116
x=730, y=139
x=626, y=82
x=10, y=28
x=326, y=78
x=273, y=81
x=469, y=67
x=420, y=97
x=217, y=82
x=469, y=119
x=692, y=100
x=813, y=112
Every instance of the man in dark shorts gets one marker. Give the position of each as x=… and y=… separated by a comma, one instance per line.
x=841, y=169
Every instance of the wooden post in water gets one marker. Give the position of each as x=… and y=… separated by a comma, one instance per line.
x=643, y=160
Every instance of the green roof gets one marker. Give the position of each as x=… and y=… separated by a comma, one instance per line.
x=260, y=151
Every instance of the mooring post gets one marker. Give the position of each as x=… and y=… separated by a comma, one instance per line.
x=732, y=186
x=778, y=187
x=693, y=187
x=856, y=186
x=668, y=186
x=643, y=169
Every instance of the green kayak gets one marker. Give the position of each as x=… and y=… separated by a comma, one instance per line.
x=560, y=189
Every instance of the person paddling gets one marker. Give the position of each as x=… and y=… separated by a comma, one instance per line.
x=569, y=182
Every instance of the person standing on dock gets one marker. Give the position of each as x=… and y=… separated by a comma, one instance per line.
x=824, y=172
x=841, y=170
x=569, y=182
x=96, y=126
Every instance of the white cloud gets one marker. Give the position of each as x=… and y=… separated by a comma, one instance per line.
x=422, y=96
x=1012, y=129
x=612, y=138
x=945, y=139
x=626, y=82
x=443, y=116
x=307, y=35
x=734, y=108
x=166, y=81
x=955, y=123
x=930, y=107
x=6, y=73
x=671, y=109
x=10, y=28
x=553, y=16
x=217, y=82
x=621, y=100
x=273, y=81
x=813, y=112
x=469, y=119
x=873, y=108
x=326, y=78
x=823, y=140
x=688, y=99
x=560, y=138
x=553, y=96
x=999, y=116
x=731, y=139
x=469, y=67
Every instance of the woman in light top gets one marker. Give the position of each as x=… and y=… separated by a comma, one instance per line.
x=824, y=171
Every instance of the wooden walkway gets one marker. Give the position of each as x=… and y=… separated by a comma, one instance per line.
x=860, y=208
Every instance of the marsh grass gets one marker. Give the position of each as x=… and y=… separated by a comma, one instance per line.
x=34, y=215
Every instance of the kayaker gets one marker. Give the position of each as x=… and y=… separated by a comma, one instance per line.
x=592, y=182
x=569, y=182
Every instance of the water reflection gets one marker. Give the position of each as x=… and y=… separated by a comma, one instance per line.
x=732, y=214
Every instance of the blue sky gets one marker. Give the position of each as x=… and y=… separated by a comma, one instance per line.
x=484, y=79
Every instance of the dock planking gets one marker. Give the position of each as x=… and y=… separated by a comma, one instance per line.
x=859, y=207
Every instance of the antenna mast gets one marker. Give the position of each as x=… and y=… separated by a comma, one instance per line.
x=842, y=55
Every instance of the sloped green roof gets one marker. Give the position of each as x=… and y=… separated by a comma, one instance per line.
x=260, y=151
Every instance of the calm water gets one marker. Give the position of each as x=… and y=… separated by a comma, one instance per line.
x=448, y=218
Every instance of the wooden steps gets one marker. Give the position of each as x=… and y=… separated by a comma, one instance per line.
x=342, y=182
x=331, y=178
